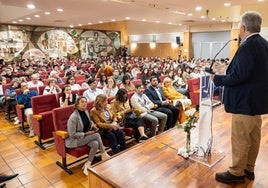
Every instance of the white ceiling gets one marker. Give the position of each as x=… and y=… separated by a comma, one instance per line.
x=172, y=12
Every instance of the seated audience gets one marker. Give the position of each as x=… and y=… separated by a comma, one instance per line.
x=126, y=84
x=102, y=82
x=67, y=97
x=35, y=81
x=141, y=103
x=92, y=92
x=105, y=69
x=107, y=122
x=71, y=81
x=25, y=98
x=145, y=76
x=52, y=87
x=163, y=104
x=82, y=131
x=121, y=107
x=111, y=88
x=11, y=100
x=178, y=99
x=117, y=76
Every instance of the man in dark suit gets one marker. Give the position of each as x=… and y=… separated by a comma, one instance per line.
x=245, y=96
x=163, y=104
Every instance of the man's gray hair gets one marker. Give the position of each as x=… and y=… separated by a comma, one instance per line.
x=252, y=21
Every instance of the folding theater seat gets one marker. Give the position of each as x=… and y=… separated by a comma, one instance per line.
x=194, y=90
x=60, y=119
x=42, y=117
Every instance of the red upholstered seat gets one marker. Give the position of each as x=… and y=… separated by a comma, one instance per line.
x=42, y=117
x=194, y=90
x=137, y=81
x=60, y=119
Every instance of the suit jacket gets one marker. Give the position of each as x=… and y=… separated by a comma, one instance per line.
x=152, y=95
x=75, y=129
x=99, y=119
x=246, y=80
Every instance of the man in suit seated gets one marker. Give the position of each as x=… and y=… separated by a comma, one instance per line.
x=163, y=104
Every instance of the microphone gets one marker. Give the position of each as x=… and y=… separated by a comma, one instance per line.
x=209, y=69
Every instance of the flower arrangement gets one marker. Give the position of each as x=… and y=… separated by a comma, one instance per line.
x=191, y=120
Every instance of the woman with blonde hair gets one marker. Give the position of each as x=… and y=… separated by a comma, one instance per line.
x=107, y=122
x=177, y=98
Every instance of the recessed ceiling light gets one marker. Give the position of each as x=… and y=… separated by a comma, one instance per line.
x=71, y=26
x=28, y=18
x=157, y=21
x=213, y=19
x=113, y=20
x=47, y=13
x=127, y=18
x=227, y=4
x=89, y=23
x=203, y=17
x=30, y=6
x=60, y=10
x=14, y=22
x=198, y=8
x=261, y=0
x=169, y=23
x=100, y=21
x=144, y=20
x=20, y=20
x=189, y=14
x=181, y=13
x=80, y=25
x=37, y=16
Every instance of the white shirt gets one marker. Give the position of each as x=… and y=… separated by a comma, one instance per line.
x=31, y=84
x=141, y=102
x=91, y=95
x=75, y=87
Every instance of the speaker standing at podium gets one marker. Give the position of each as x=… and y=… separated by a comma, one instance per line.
x=245, y=96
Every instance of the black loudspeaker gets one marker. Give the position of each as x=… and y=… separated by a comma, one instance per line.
x=178, y=40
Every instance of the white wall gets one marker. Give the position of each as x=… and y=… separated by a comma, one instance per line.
x=207, y=44
x=159, y=38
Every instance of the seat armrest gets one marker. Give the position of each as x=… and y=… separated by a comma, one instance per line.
x=196, y=91
x=38, y=117
x=62, y=134
x=20, y=106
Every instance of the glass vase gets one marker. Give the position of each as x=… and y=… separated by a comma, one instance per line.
x=188, y=142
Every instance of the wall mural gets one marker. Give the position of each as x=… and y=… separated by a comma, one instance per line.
x=41, y=42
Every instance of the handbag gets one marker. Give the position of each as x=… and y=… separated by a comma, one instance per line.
x=130, y=118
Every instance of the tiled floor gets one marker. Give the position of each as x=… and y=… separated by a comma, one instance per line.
x=36, y=167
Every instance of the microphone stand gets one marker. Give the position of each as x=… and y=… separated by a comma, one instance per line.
x=209, y=69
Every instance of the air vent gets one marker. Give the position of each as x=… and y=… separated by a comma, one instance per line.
x=59, y=21
x=188, y=21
